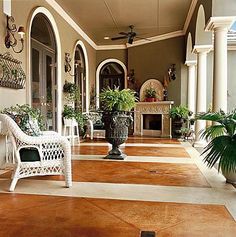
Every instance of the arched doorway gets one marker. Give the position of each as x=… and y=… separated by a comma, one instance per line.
x=111, y=75
x=43, y=70
x=110, y=72
x=80, y=77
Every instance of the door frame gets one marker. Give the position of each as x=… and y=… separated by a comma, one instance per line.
x=110, y=60
x=51, y=19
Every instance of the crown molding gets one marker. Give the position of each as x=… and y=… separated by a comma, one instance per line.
x=157, y=38
x=70, y=21
x=189, y=15
x=111, y=47
x=220, y=22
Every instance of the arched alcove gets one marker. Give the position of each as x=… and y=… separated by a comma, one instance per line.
x=201, y=36
x=99, y=68
x=190, y=56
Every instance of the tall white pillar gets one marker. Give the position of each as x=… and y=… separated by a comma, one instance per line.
x=220, y=26
x=191, y=85
x=201, y=51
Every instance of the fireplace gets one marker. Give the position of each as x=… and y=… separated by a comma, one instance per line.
x=152, y=124
x=152, y=119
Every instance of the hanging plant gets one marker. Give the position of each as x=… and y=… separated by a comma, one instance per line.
x=72, y=91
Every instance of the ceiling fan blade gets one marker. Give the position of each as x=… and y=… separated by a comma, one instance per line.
x=138, y=37
x=119, y=37
x=123, y=33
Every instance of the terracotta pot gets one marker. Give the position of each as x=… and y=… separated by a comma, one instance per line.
x=150, y=99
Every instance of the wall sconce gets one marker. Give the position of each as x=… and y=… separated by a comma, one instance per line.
x=67, y=64
x=10, y=40
x=172, y=72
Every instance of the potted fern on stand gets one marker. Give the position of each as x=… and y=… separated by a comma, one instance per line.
x=222, y=145
x=116, y=106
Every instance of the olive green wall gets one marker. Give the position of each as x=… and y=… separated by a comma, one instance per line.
x=153, y=60
x=120, y=54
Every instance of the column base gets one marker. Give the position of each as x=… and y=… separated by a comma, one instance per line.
x=200, y=143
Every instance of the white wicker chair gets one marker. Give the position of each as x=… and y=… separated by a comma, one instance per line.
x=54, y=152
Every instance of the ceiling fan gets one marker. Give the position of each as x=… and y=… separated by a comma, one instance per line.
x=129, y=35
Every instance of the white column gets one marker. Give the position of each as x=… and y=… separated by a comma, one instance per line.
x=191, y=85
x=201, y=51
x=220, y=26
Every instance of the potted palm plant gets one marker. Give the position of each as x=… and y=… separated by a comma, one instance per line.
x=222, y=145
x=116, y=105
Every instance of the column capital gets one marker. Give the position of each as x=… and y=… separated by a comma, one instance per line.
x=190, y=63
x=223, y=22
x=202, y=48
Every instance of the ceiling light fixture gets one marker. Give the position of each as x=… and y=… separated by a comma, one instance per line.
x=106, y=38
x=10, y=39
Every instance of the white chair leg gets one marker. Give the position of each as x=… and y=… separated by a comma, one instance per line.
x=13, y=184
x=14, y=179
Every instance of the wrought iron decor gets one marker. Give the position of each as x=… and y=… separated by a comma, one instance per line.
x=11, y=72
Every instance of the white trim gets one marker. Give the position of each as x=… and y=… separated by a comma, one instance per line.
x=202, y=48
x=111, y=47
x=190, y=62
x=157, y=38
x=50, y=17
x=79, y=42
x=189, y=15
x=231, y=47
x=70, y=21
x=220, y=22
x=98, y=72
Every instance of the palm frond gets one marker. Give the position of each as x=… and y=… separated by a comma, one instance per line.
x=222, y=148
x=215, y=117
x=213, y=131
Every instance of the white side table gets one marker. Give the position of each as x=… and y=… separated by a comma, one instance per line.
x=71, y=125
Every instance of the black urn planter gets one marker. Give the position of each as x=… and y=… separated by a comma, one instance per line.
x=177, y=124
x=116, y=126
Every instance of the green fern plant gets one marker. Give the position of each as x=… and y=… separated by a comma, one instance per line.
x=118, y=100
x=179, y=112
x=222, y=136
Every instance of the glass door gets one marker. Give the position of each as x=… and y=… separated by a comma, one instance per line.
x=44, y=88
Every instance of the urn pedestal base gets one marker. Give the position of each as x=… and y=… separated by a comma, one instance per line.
x=116, y=154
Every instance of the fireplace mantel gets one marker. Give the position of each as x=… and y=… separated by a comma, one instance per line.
x=160, y=107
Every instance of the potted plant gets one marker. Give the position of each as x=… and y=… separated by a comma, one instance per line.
x=117, y=118
x=179, y=115
x=72, y=92
x=222, y=145
x=150, y=95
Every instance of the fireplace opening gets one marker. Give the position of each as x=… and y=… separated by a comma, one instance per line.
x=152, y=121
